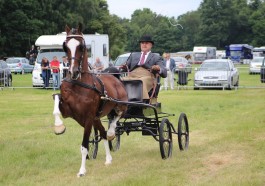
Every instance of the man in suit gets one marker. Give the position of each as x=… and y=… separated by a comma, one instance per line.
x=170, y=65
x=145, y=65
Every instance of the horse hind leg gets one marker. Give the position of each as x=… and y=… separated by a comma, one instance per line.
x=112, y=127
x=59, y=127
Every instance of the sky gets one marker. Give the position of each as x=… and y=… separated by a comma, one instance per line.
x=169, y=8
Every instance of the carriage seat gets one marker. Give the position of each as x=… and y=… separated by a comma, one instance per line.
x=134, y=90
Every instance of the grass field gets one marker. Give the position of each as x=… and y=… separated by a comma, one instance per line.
x=227, y=141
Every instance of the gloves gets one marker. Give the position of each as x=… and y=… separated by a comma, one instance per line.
x=155, y=68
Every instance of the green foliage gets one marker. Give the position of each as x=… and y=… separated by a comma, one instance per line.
x=215, y=23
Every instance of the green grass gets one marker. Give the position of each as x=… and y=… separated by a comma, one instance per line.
x=227, y=142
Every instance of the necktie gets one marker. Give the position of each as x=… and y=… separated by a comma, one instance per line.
x=142, y=58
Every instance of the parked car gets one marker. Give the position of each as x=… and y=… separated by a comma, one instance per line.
x=262, y=71
x=5, y=74
x=255, y=64
x=19, y=65
x=182, y=63
x=121, y=59
x=216, y=73
x=37, y=80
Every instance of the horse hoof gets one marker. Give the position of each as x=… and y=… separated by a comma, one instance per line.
x=59, y=129
x=110, y=138
x=107, y=163
x=80, y=175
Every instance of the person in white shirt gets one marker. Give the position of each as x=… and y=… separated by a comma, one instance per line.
x=170, y=66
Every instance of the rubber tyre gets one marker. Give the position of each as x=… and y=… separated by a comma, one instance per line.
x=93, y=144
x=165, y=139
x=114, y=144
x=183, y=132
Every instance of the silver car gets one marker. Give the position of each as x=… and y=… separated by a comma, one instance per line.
x=19, y=65
x=255, y=64
x=216, y=73
x=182, y=64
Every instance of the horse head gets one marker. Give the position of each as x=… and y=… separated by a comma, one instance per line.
x=75, y=48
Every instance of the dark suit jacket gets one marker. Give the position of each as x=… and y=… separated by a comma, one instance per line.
x=152, y=59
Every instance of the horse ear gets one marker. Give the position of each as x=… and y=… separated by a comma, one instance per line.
x=80, y=27
x=67, y=29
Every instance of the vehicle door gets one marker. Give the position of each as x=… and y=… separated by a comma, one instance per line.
x=262, y=71
x=1, y=72
x=234, y=73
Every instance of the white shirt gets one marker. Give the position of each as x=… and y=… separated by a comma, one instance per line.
x=168, y=64
x=146, y=55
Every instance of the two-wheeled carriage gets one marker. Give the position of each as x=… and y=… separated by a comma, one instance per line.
x=148, y=119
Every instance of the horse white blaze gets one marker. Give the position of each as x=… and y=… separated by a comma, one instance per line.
x=56, y=111
x=72, y=44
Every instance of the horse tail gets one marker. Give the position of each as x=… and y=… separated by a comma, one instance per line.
x=112, y=70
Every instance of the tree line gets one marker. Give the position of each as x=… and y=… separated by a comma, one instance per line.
x=215, y=23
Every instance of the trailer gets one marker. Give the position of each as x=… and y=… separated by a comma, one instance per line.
x=202, y=53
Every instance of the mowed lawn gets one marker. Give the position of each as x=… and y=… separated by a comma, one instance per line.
x=227, y=142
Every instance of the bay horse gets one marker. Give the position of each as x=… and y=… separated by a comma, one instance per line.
x=81, y=96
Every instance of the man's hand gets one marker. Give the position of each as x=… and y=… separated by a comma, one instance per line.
x=155, y=68
x=123, y=68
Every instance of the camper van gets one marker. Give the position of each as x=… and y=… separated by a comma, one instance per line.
x=202, y=53
x=52, y=45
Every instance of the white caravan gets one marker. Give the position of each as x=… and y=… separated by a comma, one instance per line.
x=52, y=45
x=202, y=53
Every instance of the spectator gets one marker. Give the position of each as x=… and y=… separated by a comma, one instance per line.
x=170, y=65
x=98, y=66
x=46, y=72
x=55, y=66
x=32, y=55
x=65, y=66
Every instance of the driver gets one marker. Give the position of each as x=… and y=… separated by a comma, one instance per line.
x=144, y=65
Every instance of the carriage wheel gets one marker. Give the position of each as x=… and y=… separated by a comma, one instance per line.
x=183, y=132
x=114, y=144
x=165, y=139
x=93, y=144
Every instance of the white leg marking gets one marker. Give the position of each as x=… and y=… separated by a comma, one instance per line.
x=82, y=170
x=56, y=111
x=108, y=155
x=112, y=127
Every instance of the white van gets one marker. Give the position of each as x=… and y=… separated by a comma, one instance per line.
x=52, y=45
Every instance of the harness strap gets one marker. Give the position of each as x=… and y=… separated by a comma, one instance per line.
x=101, y=92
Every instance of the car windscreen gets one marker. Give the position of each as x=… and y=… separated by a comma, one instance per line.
x=49, y=54
x=11, y=60
x=214, y=66
x=120, y=61
x=259, y=59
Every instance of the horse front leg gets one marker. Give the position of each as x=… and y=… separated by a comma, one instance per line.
x=84, y=149
x=82, y=170
x=59, y=127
